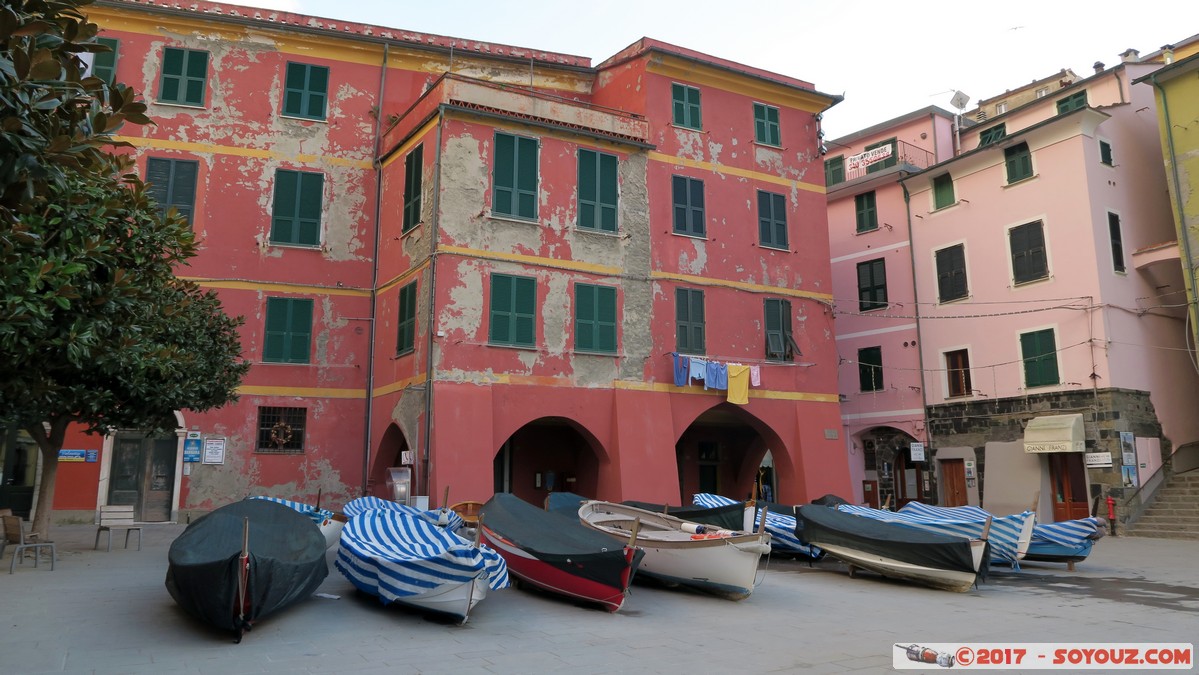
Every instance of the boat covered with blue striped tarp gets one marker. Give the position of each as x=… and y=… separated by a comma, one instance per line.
x=329, y=522
x=440, y=517
x=1009, y=535
x=404, y=558
x=1067, y=541
x=780, y=523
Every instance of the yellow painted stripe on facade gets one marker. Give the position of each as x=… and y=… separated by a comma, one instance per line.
x=748, y=85
x=734, y=171
x=277, y=287
x=305, y=392
x=403, y=277
x=238, y=151
x=743, y=286
x=415, y=138
x=665, y=387
x=415, y=380
x=572, y=265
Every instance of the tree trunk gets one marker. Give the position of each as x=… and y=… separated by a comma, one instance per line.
x=49, y=443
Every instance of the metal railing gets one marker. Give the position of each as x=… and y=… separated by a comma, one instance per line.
x=904, y=156
x=1133, y=512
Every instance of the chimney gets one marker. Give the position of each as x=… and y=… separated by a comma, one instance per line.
x=1130, y=55
x=1098, y=67
x=1168, y=53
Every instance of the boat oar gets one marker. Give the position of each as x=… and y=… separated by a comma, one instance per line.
x=635, y=530
x=318, y=499
x=445, y=501
x=762, y=525
x=986, y=529
x=243, y=577
x=479, y=530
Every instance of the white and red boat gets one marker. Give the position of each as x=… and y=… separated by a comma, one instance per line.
x=556, y=553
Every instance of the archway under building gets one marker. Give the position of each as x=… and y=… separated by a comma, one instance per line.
x=392, y=452
x=892, y=478
x=727, y=451
x=549, y=454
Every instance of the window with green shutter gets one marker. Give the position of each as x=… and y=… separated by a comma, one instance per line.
x=943, y=191
x=104, y=64
x=513, y=311
x=297, y=211
x=867, y=212
x=306, y=91
x=288, y=330
x=834, y=170
x=413, y=167
x=1018, y=161
x=890, y=161
x=872, y=285
x=597, y=190
x=184, y=76
x=406, y=332
x=870, y=369
x=1105, y=153
x=993, y=135
x=951, y=273
x=772, y=219
x=685, y=100
x=1029, y=262
x=688, y=197
x=766, y=124
x=1039, y=353
x=780, y=344
x=515, y=176
x=595, y=318
x=689, y=320
x=172, y=183
x=1072, y=102
x=1117, y=239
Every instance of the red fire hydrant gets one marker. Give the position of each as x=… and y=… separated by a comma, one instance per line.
x=1111, y=513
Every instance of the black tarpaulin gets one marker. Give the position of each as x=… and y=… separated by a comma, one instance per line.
x=287, y=561
x=730, y=517
x=558, y=539
x=821, y=525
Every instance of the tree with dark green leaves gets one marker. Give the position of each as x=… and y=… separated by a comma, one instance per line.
x=95, y=328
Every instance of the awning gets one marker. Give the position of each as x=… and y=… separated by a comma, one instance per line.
x=1055, y=433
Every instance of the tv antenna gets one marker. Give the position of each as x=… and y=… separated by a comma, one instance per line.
x=958, y=101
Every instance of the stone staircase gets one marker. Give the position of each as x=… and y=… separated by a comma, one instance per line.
x=1174, y=514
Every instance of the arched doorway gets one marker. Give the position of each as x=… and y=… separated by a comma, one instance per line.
x=550, y=454
x=392, y=452
x=890, y=471
x=725, y=452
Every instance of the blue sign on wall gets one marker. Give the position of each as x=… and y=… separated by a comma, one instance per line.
x=65, y=455
x=191, y=449
x=93, y=455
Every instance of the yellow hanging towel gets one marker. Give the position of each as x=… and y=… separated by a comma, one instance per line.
x=738, y=384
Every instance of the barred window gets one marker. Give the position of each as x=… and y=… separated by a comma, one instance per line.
x=281, y=430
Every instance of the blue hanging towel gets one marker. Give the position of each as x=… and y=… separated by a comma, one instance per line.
x=717, y=376
x=682, y=368
x=698, y=369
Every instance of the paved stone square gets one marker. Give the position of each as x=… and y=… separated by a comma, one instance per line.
x=101, y=612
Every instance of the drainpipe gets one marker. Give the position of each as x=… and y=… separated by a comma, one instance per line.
x=367, y=421
x=434, y=220
x=907, y=198
x=1184, y=237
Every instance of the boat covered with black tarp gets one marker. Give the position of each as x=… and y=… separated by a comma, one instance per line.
x=244, y=561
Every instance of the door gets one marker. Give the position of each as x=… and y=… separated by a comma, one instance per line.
x=953, y=482
x=142, y=475
x=908, y=479
x=870, y=492
x=18, y=467
x=1069, y=479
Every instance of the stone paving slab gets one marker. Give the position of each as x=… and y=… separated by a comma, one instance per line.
x=101, y=612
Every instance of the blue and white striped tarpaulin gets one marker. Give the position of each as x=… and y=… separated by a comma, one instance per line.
x=393, y=555
x=1066, y=533
x=441, y=517
x=781, y=526
x=960, y=521
x=318, y=516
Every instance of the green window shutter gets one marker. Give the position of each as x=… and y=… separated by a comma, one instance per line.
x=766, y=124
x=184, y=76
x=1105, y=153
x=779, y=343
x=104, y=64
x=872, y=285
x=524, y=302
x=597, y=191
x=288, y=332
x=867, y=214
x=870, y=369
x=834, y=170
x=1040, y=358
x=688, y=197
x=685, y=106
x=173, y=184
x=515, y=176
x=1072, y=102
x=943, y=191
x=993, y=135
x=772, y=219
x=1028, y=252
x=951, y=273
x=413, y=167
x=297, y=208
x=305, y=91
x=689, y=320
x=595, y=318
x=1018, y=161
x=500, y=331
x=406, y=337
x=608, y=192
x=1117, y=239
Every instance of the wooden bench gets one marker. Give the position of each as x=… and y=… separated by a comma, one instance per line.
x=117, y=518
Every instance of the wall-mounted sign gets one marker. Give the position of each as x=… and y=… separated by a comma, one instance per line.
x=1096, y=460
x=969, y=465
x=191, y=449
x=65, y=455
x=867, y=158
x=93, y=456
x=917, y=452
x=214, y=451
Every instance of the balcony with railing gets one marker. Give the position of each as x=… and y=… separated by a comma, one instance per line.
x=865, y=169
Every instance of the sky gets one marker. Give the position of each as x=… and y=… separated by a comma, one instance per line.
x=886, y=58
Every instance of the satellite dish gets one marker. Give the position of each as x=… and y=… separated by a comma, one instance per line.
x=959, y=100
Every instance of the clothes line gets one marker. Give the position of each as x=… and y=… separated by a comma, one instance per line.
x=735, y=378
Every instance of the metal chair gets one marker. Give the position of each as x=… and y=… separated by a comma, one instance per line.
x=14, y=533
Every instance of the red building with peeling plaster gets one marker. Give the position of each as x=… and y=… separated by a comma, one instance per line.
x=479, y=263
